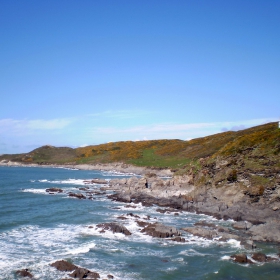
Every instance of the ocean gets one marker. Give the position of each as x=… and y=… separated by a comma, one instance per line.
x=37, y=229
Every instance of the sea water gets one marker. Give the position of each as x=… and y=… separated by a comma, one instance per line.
x=37, y=229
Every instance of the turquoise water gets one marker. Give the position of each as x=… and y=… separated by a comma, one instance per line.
x=37, y=228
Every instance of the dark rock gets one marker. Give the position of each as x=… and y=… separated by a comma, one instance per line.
x=142, y=224
x=240, y=258
x=132, y=215
x=64, y=265
x=179, y=239
x=54, y=190
x=84, y=273
x=110, y=276
x=260, y=257
x=77, y=195
x=122, y=218
x=115, y=228
x=24, y=273
x=130, y=206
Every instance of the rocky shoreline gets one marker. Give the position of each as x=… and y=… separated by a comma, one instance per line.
x=258, y=222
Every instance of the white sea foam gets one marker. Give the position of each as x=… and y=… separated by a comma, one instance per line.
x=114, y=173
x=234, y=243
x=191, y=253
x=38, y=191
x=225, y=258
x=81, y=249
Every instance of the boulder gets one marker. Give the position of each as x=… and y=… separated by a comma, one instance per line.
x=54, y=190
x=201, y=232
x=240, y=258
x=77, y=195
x=248, y=244
x=24, y=273
x=243, y=225
x=160, y=230
x=259, y=257
x=84, y=273
x=115, y=228
x=63, y=265
x=179, y=239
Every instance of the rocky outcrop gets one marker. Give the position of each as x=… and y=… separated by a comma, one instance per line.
x=82, y=273
x=24, y=273
x=77, y=272
x=54, y=190
x=114, y=227
x=161, y=231
x=95, y=181
x=63, y=265
x=240, y=258
x=77, y=195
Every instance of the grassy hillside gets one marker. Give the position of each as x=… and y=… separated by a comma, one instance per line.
x=258, y=146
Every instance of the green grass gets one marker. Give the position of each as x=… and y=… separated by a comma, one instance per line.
x=151, y=159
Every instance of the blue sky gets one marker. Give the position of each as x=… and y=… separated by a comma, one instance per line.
x=77, y=73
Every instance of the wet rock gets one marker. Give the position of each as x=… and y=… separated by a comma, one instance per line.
x=110, y=276
x=259, y=257
x=77, y=195
x=115, y=228
x=84, y=273
x=63, y=265
x=160, y=230
x=132, y=215
x=24, y=273
x=95, y=181
x=179, y=239
x=248, y=244
x=240, y=258
x=54, y=190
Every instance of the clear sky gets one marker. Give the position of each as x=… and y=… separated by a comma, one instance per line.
x=85, y=72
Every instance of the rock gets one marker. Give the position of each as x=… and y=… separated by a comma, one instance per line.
x=64, y=265
x=77, y=195
x=95, y=181
x=84, y=273
x=275, y=208
x=24, y=273
x=260, y=257
x=201, y=232
x=248, y=244
x=160, y=230
x=110, y=276
x=205, y=224
x=115, y=228
x=178, y=239
x=240, y=258
x=54, y=190
x=243, y=225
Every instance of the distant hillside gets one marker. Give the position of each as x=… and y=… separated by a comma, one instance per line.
x=258, y=147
